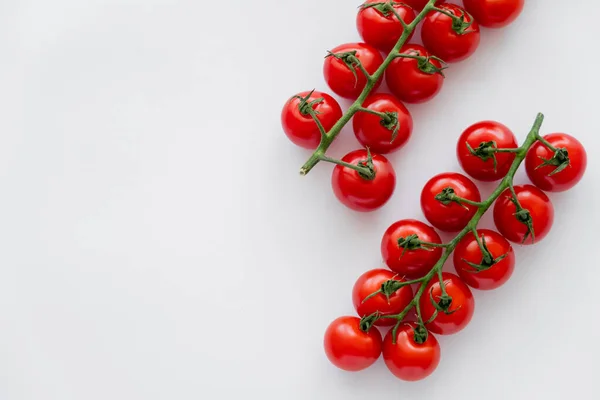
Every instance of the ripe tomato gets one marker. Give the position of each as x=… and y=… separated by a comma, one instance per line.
x=343, y=80
x=359, y=193
x=488, y=135
x=572, y=157
x=494, y=13
x=500, y=261
x=407, y=359
x=412, y=262
x=445, y=214
x=417, y=4
x=369, y=283
x=451, y=41
x=378, y=135
x=348, y=347
x=536, y=203
x=379, y=27
x=411, y=80
x=298, y=124
x=461, y=308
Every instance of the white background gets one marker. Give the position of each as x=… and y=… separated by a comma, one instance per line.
x=157, y=242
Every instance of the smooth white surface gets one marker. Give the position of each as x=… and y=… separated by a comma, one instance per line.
x=158, y=243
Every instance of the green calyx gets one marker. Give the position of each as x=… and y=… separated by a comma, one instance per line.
x=448, y=196
x=425, y=65
x=460, y=25
x=368, y=163
x=485, y=151
x=307, y=107
x=350, y=60
x=390, y=122
x=487, y=260
x=367, y=322
x=560, y=160
x=411, y=243
x=420, y=334
x=524, y=217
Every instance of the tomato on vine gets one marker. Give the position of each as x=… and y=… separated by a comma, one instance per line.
x=476, y=150
x=408, y=359
x=452, y=39
x=485, y=269
x=560, y=170
x=384, y=125
x=378, y=24
x=415, y=80
x=299, y=125
x=449, y=200
x=350, y=348
x=391, y=297
x=360, y=192
x=494, y=13
x=528, y=223
x=408, y=248
x=342, y=68
x=453, y=311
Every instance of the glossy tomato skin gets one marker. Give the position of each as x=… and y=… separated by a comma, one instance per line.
x=494, y=13
x=409, y=83
x=531, y=198
x=463, y=305
x=412, y=264
x=301, y=129
x=483, y=132
x=370, y=282
x=348, y=347
x=372, y=134
x=382, y=31
x=408, y=360
x=361, y=194
x=441, y=39
x=341, y=79
x=452, y=217
x=468, y=250
x=565, y=179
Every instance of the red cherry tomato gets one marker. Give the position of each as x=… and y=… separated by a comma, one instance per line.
x=407, y=359
x=495, y=135
x=417, y=4
x=375, y=133
x=451, y=41
x=446, y=215
x=369, y=283
x=461, y=308
x=359, y=193
x=414, y=263
x=348, y=347
x=298, y=124
x=379, y=26
x=494, y=13
x=411, y=80
x=532, y=199
x=545, y=177
x=495, y=270
x=339, y=76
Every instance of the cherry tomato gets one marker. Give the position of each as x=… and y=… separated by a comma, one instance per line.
x=407, y=359
x=417, y=4
x=571, y=156
x=488, y=135
x=461, y=308
x=443, y=213
x=494, y=13
x=359, y=193
x=379, y=26
x=486, y=273
x=369, y=283
x=348, y=347
x=297, y=122
x=412, y=262
x=450, y=39
x=377, y=134
x=414, y=81
x=339, y=75
x=538, y=205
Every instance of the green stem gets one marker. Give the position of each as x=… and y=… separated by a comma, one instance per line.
x=381, y=115
x=546, y=143
x=506, y=183
x=328, y=139
x=366, y=172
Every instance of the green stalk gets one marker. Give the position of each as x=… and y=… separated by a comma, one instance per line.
x=330, y=136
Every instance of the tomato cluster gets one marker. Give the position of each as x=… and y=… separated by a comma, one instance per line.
x=413, y=73
x=483, y=259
